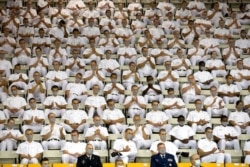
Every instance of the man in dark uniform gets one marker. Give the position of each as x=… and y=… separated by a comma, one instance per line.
x=162, y=159
x=89, y=159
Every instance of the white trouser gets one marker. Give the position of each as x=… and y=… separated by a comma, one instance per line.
x=191, y=144
x=217, y=157
x=20, y=84
x=41, y=70
x=3, y=96
x=200, y=128
x=81, y=128
x=62, y=84
x=8, y=144
x=116, y=97
x=57, y=112
x=126, y=157
x=66, y=158
x=232, y=100
x=35, y=128
x=144, y=73
x=99, y=145
x=90, y=83
x=219, y=73
x=215, y=112
x=208, y=86
x=9, y=114
x=92, y=111
x=176, y=112
x=22, y=59
x=223, y=144
x=31, y=161
x=187, y=98
x=126, y=61
x=53, y=144
x=73, y=73
x=142, y=144
x=150, y=98
x=136, y=111
x=81, y=98
x=169, y=84
x=117, y=128
x=239, y=130
x=184, y=73
x=247, y=159
x=167, y=127
x=40, y=97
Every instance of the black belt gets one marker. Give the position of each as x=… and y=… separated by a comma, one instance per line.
x=53, y=140
x=96, y=140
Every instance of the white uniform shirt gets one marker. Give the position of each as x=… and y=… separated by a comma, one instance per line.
x=75, y=116
x=13, y=132
x=190, y=91
x=55, y=99
x=5, y=65
x=15, y=102
x=32, y=148
x=146, y=67
x=170, y=101
x=91, y=31
x=114, y=91
x=62, y=75
x=34, y=60
x=94, y=79
x=170, y=148
x=95, y=101
x=228, y=88
x=164, y=73
x=214, y=63
x=108, y=63
x=207, y=145
x=76, y=88
x=239, y=117
x=73, y=147
x=139, y=134
x=182, y=132
x=178, y=61
x=129, y=50
x=91, y=132
x=208, y=100
x=33, y=113
x=120, y=144
x=140, y=99
x=156, y=116
x=195, y=116
x=56, y=134
x=131, y=78
x=203, y=76
x=112, y=114
x=221, y=131
x=151, y=91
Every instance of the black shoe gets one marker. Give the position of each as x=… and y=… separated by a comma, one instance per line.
x=114, y=154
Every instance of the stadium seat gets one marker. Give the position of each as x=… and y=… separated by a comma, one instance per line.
x=143, y=156
x=14, y=165
x=184, y=164
x=212, y=164
x=138, y=164
x=108, y=165
x=64, y=165
x=35, y=165
x=8, y=157
x=54, y=156
x=236, y=165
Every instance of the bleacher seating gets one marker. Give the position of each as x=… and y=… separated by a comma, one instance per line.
x=8, y=158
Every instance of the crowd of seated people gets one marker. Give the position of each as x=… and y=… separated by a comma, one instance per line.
x=96, y=68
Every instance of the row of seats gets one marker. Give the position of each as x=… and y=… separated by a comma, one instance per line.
x=142, y=155
x=187, y=164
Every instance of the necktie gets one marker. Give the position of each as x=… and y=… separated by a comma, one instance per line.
x=163, y=156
